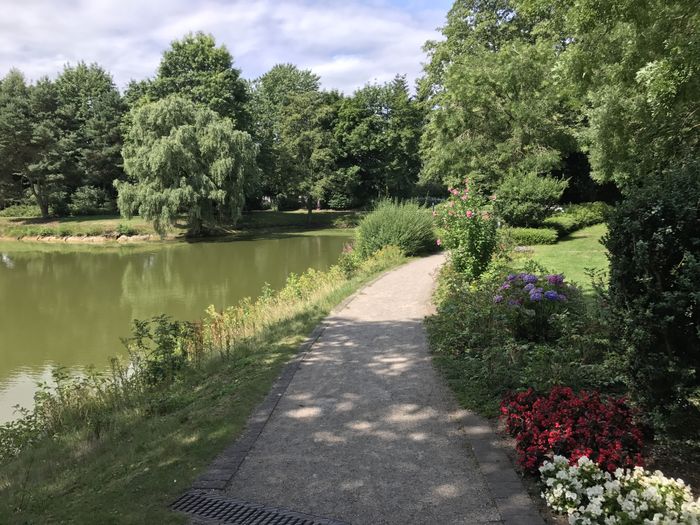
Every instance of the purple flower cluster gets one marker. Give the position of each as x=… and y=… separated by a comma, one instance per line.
x=527, y=287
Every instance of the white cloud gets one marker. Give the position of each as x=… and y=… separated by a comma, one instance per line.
x=347, y=43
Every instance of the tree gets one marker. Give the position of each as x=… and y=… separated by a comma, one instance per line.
x=89, y=110
x=306, y=144
x=196, y=69
x=635, y=65
x=15, y=134
x=30, y=139
x=182, y=158
x=378, y=131
x=497, y=98
x=271, y=93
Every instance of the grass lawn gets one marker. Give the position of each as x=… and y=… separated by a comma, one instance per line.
x=113, y=225
x=140, y=463
x=574, y=254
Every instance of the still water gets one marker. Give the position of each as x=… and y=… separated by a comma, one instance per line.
x=70, y=305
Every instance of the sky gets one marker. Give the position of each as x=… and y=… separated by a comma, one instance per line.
x=347, y=43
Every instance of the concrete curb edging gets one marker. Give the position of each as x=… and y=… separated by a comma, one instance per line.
x=225, y=466
x=507, y=489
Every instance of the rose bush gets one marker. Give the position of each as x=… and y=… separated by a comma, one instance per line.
x=467, y=230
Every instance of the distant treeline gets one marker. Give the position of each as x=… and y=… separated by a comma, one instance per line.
x=585, y=92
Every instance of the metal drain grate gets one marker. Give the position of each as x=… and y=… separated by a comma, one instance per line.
x=221, y=510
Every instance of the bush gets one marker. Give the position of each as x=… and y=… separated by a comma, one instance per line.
x=527, y=200
x=577, y=216
x=405, y=225
x=566, y=424
x=587, y=494
x=21, y=210
x=527, y=305
x=89, y=200
x=530, y=236
x=654, y=245
x=467, y=230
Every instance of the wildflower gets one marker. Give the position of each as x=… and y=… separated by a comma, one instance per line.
x=469, y=214
x=497, y=298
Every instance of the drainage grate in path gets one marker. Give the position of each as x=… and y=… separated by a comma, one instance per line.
x=216, y=509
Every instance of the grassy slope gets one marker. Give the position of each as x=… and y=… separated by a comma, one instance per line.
x=107, y=225
x=574, y=254
x=134, y=470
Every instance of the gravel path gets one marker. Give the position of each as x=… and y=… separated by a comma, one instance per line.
x=363, y=430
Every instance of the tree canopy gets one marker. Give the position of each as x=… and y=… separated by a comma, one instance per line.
x=184, y=159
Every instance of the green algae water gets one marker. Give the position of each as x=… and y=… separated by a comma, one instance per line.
x=71, y=305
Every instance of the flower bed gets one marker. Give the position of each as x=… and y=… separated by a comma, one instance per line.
x=566, y=424
x=590, y=495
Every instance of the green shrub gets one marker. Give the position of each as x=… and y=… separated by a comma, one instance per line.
x=89, y=200
x=654, y=244
x=125, y=229
x=527, y=199
x=21, y=210
x=530, y=236
x=484, y=351
x=577, y=216
x=467, y=230
x=405, y=225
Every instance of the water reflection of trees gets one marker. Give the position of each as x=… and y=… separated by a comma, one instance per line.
x=71, y=307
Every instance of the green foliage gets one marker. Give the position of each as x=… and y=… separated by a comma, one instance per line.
x=89, y=111
x=185, y=159
x=636, y=71
x=499, y=103
x=307, y=145
x=483, y=351
x=89, y=200
x=577, y=216
x=654, y=245
x=407, y=226
x=21, y=210
x=271, y=93
x=530, y=236
x=467, y=230
x=527, y=199
x=378, y=134
x=196, y=69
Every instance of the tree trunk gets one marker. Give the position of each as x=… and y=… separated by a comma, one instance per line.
x=309, y=208
x=41, y=199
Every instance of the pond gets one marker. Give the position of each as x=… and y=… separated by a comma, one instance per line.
x=70, y=305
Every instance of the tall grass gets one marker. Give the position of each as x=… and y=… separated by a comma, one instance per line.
x=405, y=225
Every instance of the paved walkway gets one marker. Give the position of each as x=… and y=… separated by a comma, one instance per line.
x=362, y=429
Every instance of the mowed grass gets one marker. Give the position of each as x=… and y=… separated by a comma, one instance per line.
x=139, y=465
x=574, y=255
x=113, y=225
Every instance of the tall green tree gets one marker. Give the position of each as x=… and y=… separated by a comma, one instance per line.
x=378, y=131
x=271, y=94
x=15, y=134
x=306, y=144
x=197, y=69
x=636, y=67
x=90, y=110
x=497, y=96
x=185, y=160
x=30, y=139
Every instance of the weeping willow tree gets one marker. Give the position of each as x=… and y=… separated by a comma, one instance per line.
x=185, y=161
